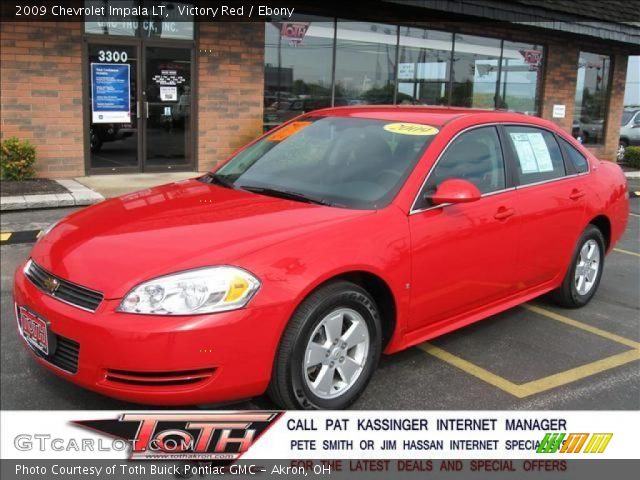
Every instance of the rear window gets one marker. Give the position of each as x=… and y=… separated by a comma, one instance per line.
x=578, y=160
x=537, y=154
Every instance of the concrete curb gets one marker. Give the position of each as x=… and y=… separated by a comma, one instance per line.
x=78, y=195
x=632, y=174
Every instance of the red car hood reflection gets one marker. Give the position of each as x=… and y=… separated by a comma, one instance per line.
x=113, y=246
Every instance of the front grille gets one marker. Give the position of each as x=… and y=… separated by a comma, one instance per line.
x=65, y=355
x=159, y=379
x=64, y=290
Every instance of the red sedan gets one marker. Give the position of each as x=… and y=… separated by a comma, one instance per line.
x=342, y=234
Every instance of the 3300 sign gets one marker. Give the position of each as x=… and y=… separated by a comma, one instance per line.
x=111, y=56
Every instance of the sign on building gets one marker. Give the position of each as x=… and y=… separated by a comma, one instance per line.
x=110, y=93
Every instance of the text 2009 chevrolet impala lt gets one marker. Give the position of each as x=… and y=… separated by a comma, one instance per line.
x=343, y=234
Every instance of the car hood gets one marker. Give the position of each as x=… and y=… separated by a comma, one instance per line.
x=114, y=245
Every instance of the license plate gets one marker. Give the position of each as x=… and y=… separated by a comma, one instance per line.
x=34, y=330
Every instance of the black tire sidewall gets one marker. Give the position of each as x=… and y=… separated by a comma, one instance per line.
x=365, y=306
x=591, y=233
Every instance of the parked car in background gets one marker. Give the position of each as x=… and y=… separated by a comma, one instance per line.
x=629, y=129
x=290, y=268
x=591, y=131
x=100, y=133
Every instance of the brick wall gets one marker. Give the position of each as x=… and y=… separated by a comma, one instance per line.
x=559, y=83
x=559, y=87
x=230, y=88
x=41, y=96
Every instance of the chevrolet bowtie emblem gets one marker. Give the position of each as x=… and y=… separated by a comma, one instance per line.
x=51, y=284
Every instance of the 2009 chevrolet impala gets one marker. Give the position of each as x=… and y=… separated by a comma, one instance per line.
x=291, y=267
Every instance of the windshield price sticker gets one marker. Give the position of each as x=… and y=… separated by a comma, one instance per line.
x=287, y=131
x=411, y=129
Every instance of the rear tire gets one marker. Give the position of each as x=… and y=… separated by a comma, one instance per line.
x=329, y=350
x=583, y=277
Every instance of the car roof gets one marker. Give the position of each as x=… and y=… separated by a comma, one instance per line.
x=436, y=116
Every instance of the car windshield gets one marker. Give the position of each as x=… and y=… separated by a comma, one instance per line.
x=626, y=116
x=339, y=161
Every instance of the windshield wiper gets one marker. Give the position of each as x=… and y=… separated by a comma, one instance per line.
x=219, y=180
x=285, y=194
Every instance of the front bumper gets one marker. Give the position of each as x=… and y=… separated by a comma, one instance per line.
x=187, y=360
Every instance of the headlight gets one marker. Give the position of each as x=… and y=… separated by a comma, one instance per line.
x=203, y=290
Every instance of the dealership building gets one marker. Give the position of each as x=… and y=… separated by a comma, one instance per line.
x=114, y=94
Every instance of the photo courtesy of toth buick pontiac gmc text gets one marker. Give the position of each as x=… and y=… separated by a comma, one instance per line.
x=293, y=266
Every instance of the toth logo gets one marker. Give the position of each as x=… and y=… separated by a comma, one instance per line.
x=51, y=284
x=187, y=436
x=574, y=443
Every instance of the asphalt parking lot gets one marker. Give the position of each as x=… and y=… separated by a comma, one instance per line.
x=537, y=356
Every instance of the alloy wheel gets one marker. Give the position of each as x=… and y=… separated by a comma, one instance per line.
x=336, y=353
x=588, y=267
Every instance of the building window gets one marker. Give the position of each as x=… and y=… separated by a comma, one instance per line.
x=592, y=96
x=297, y=73
x=316, y=62
x=424, y=63
x=476, y=69
x=365, y=68
x=519, y=76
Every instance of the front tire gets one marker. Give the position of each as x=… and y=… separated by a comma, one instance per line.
x=329, y=350
x=583, y=277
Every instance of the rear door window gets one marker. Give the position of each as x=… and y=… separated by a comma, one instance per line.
x=578, y=160
x=536, y=153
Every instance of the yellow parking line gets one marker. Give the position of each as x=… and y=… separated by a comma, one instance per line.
x=582, y=326
x=4, y=236
x=535, y=386
x=472, y=369
x=626, y=251
x=578, y=373
x=551, y=381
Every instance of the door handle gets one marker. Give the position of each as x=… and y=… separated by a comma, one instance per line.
x=146, y=109
x=504, y=212
x=576, y=194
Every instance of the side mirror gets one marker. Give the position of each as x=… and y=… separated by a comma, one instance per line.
x=455, y=190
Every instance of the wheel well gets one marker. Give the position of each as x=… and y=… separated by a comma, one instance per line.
x=381, y=293
x=624, y=140
x=604, y=225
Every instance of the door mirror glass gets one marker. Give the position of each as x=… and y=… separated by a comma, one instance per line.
x=455, y=190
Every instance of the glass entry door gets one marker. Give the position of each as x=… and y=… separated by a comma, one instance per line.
x=139, y=107
x=113, y=133
x=167, y=103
